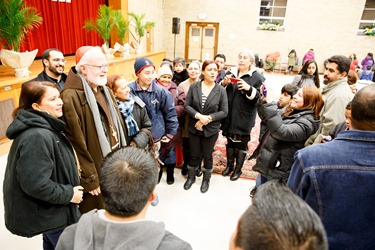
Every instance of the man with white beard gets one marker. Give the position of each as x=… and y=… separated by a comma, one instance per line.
x=92, y=120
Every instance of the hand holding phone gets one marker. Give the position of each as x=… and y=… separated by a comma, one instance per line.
x=263, y=90
x=327, y=138
x=234, y=80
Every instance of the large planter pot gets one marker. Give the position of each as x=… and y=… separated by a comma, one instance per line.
x=19, y=61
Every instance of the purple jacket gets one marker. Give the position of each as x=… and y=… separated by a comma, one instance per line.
x=368, y=61
x=308, y=56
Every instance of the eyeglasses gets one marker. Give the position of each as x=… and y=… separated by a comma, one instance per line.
x=58, y=60
x=101, y=67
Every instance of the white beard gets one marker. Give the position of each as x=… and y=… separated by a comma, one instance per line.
x=99, y=80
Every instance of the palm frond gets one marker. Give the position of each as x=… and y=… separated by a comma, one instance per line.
x=139, y=26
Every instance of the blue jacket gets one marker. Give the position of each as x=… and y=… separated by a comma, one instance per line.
x=160, y=108
x=337, y=179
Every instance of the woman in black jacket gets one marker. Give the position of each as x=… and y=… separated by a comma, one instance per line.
x=242, y=85
x=133, y=111
x=287, y=132
x=207, y=104
x=41, y=183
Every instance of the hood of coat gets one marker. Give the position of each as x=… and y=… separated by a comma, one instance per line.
x=26, y=119
x=133, y=234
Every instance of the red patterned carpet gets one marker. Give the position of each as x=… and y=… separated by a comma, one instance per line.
x=220, y=154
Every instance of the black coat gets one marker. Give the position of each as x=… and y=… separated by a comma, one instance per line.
x=216, y=106
x=43, y=77
x=143, y=121
x=242, y=111
x=40, y=175
x=284, y=137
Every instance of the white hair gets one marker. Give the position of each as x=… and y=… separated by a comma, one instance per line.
x=88, y=54
x=250, y=53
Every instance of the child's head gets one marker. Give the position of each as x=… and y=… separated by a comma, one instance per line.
x=179, y=64
x=287, y=93
x=368, y=67
x=348, y=115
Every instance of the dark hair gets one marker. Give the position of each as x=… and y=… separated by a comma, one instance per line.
x=363, y=109
x=352, y=77
x=343, y=63
x=32, y=92
x=280, y=220
x=46, y=54
x=221, y=56
x=128, y=177
x=349, y=106
x=179, y=60
x=354, y=56
x=293, y=51
x=205, y=64
x=111, y=80
x=289, y=88
x=305, y=75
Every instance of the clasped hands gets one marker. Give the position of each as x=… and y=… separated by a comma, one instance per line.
x=202, y=121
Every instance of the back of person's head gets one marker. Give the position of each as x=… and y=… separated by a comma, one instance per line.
x=368, y=67
x=128, y=177
x=32, y=92
x=363, y=109
x=343, y=63
x=352, y=77
x=221, y=56
x=348, y=106
x=279, y=220
x=289, y=88
x=179, y=60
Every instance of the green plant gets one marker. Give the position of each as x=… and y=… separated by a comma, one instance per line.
x=122, y=25
x=139, y=26
x=274, y=26
x=370, y=31
x=16, y=20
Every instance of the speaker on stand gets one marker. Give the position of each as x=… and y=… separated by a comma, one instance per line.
x=175, y=31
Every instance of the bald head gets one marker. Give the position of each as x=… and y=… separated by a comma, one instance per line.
x=363, y=109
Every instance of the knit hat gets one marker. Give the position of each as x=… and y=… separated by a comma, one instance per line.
x=81, y=51
x=164, y=70
x=141, y=63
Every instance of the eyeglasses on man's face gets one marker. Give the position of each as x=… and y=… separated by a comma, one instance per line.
x=101, y=67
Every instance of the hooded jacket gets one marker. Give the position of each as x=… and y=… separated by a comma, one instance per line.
x=40, y=175
x=93, y=232
x=284, y=137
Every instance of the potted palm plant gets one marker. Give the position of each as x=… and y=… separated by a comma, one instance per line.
x=16, y=20
x=140, y=28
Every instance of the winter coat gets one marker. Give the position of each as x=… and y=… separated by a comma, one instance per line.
x=284, y=137
x=366, y=75
x=336, y=95
x=308, y=56
x=160, y=109
x=308, y=81
x=143, y=122
x=241, y=104
x=292, y=58
x=40, y=175
x=180, y=77
x=216, y=106
x=94, y=232
x=367, y=61
x=81, y=131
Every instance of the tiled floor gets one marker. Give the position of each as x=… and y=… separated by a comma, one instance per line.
x=204, y=220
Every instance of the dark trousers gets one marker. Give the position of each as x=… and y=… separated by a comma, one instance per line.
x=201, y=147
x=240, y=145
x=51, y=237
x=186, y=150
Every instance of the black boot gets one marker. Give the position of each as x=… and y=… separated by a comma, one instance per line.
x=231, y=154
x=206, y=180
x=184, y=169
x=199, y=170
x=170, y=172
x=160, y=173
x=192, y=172
x=240, y=159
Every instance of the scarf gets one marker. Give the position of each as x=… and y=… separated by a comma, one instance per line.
x=103, y=140
x=126, y=110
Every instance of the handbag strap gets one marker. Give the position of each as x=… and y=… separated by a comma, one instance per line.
x=151, y=139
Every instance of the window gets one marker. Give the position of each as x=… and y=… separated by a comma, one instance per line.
x=272, y=12
x=368, y=17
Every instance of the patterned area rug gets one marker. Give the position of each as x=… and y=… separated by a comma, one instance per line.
x=220, y=158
